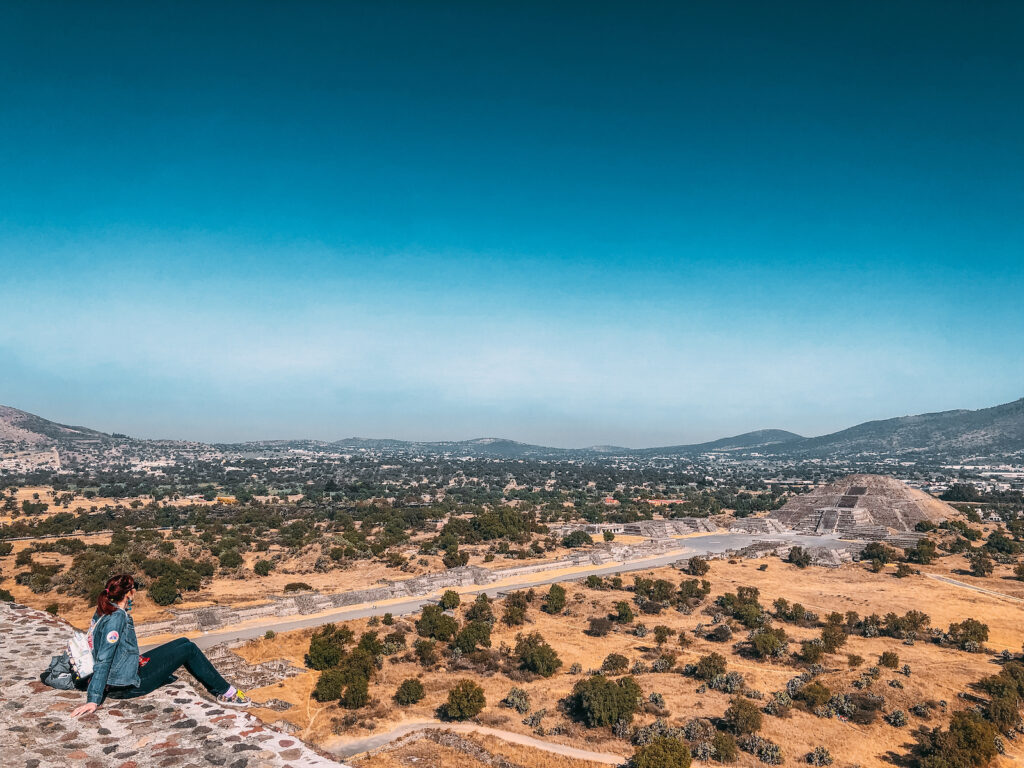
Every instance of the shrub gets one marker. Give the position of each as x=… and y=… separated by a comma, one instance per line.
x=724, y=747
x=903, y=570
x=614, y=664
x=897, y=718
x=833, y=637
x=435, y=624
x=426, y=652
x=329, y=685
x=52, y=609
x=597, y=701
x=599, y=626
x=663, y=752
x=409, y=692
x=981, y=564
x=814, y=695
x=163, y=591
x=799, y=557
x=710, y=666
x=623, y=612
x=743, y=717
x=465, y=700
x=536, y=656
x=812, y=651
x=263, y=567
x=297, y=586
x=853, y=660
x=554, y=603
x=969, y=742
x=819, y=756
x=471, y=635
x=480, y=610
x=450, y=600
x=889, y=659
x=357, y=693
x=608, y=536
x=269, y=634
x=327, y=646
x=517, y=699
x=697, y=566
x=230, y=558
x=577, y=539
x=766, y=751
x=968, y=631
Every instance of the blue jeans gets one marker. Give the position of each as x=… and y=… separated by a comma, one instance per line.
x=166, y=659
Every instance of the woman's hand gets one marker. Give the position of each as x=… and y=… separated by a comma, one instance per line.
x=85, y=709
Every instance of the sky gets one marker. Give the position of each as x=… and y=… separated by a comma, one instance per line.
x=562, y=223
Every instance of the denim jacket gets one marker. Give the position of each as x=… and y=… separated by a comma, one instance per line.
x=115, y=652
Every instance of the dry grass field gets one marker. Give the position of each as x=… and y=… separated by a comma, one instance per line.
x=938, y=673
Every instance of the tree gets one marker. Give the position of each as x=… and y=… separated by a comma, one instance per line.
x=471, y=635
x=710, y=666
x=623, y=612
x=968, y=631
x=434, y=623
x=833, y=637
x=465, y=700
x=555, y=601
x=263, y=567
x=889, y=659
x=327, y=646
x=697, y=566
x=663, y=752
x=981, y=564
x=577, y=539
x=450, y=600
x=409, y=692
x=230, y=558
x=614, y=664
x=597, y=701
x=480, y=610
x=599, y=626
x=743, y=716
x=662, y=633
x=163, y=591
x=608, y=536
x=799, y=557
x=357, y=693
x=536, y=656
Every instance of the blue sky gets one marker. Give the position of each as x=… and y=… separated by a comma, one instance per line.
x=561, y=223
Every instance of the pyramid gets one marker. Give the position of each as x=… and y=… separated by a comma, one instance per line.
x=860, y=504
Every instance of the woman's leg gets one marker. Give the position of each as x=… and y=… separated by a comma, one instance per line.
x=169, y=657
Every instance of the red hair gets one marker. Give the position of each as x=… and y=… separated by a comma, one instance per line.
x=117, y=587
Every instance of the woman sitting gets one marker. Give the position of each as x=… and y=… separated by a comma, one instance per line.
x=119, y=671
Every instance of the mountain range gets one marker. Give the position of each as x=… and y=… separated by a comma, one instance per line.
x=951, y=435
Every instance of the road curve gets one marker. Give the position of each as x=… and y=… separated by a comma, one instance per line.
x=346, y=749
x=713, y=543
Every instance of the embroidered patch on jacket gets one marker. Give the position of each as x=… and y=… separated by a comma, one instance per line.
x=112, y=636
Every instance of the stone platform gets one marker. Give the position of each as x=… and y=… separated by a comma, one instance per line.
x=173, y=726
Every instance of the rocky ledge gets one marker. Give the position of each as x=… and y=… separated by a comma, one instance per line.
x=174, y=726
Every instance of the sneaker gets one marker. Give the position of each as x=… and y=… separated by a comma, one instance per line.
x=234, y=698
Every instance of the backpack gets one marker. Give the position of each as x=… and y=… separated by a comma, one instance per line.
x=79, y=652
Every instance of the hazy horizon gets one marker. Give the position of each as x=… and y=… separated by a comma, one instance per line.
x=563, y=224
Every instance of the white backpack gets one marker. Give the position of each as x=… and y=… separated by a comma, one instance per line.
x=80, y=652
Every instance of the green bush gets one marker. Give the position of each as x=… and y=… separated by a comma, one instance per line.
x=465, y=700
x=327, y=646
x=263, y=567
x=743, y=716
x=435, y=624
x=536, y=656
x=599, y=702
x=409, y=692
x=554, y=603
x=230, y=558
x=357, y=693
x=663, y=752
x=889, y=659
x=710, y=666
x=450, y=600
x=577, y=539
x=163, y=591
x=297, y=586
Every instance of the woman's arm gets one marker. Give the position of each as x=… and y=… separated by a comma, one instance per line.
x=106, y=636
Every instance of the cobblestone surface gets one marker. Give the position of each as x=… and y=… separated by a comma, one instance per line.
x=174, y=726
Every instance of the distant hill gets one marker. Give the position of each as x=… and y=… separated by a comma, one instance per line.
x=27, y=428
x=951, y=435
x=762, y=438
x=996, y=430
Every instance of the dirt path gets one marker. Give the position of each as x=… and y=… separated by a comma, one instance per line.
x=974, y=588
x=346, y=749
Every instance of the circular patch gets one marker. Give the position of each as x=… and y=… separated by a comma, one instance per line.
x=112, y=636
